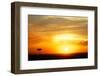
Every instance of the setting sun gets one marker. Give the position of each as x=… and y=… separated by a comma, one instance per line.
x=65, y=49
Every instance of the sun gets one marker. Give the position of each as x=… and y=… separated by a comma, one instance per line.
x=65, y=49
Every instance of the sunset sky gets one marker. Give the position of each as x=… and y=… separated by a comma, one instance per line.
x=57, y=34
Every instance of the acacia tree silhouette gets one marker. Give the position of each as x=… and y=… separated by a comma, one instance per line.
x=39, y=49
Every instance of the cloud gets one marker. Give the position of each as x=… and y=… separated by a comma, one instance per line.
x=39, y=23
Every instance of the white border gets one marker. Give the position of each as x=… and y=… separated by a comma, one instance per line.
x=25, y=64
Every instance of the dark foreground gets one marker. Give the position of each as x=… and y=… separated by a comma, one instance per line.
x=56, y=56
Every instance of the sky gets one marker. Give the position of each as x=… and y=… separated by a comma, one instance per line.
x=57, y=34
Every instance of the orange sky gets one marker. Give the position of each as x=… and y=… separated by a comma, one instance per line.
x=57, y=34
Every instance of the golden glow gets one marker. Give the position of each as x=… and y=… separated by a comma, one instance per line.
x=67, y=43
x=57, y=35
x=64, y=37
